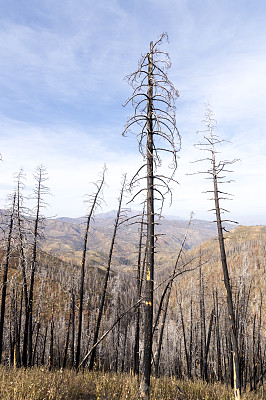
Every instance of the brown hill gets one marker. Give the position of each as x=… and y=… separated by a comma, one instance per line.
x=64, y=238
x=246, y=258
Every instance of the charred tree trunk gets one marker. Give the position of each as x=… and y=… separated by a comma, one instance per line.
x=67, y=342
x=100, y=313
x=51, y=349
x=206, y=377
x=73, y=328
x=81, y=291
x=36, y=341
x=161, y=334
x=44, y=346
x=185, y=343
x=32, y=279
x=150, y=234
x=153, y=101
x=216, y=172
x=218, y=340
x=4, y=284
x=202, y=327
x=18, y=354
x=227, y=284
x=139, y=290
x=124, y=350
x=40, y=189
x=22, y=260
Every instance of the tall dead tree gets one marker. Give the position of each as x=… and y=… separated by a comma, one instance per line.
x=20, y=210
x=6, y=267
x=154, y=123
x=40, y=190
x=217, y=173
x=94, y=200
x=107, y=274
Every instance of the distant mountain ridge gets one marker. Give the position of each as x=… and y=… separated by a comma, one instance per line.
x=64, y=237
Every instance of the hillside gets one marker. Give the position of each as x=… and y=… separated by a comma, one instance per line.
x=246, y=259
x=63, y=237
x=246, y=256
x=195, y=294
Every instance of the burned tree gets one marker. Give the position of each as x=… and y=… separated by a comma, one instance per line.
x=154, y=124
x=165, y=298
x=6, y=267
x=107, y=275
x=217, y=173
x=94, y=201
x=20, y=219
x=140, y=273
x=40, y=190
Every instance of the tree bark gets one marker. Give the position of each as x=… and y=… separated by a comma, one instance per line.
x=150, y=236
x=34, y=262
x=81, y=292
x=100, y=313
x=227, y=284
x=139, y=290
x=4, y=285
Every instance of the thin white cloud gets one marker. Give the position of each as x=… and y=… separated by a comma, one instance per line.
x=62, y=86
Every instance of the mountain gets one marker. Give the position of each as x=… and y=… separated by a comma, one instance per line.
x=64, y=237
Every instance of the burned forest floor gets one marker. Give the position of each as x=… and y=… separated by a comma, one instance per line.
x=42, y=384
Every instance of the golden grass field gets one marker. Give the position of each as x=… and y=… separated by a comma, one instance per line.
x=41, y=384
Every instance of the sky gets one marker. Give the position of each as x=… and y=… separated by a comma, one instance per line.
x=63, y=86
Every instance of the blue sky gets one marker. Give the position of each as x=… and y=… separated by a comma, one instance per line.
x=62, y=88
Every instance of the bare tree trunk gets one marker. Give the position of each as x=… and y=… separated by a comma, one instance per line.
x=44, y=346
x=100, y=313
x=191, y=336
x=40, y=189
x=36, y=341
x=202, y=326
x=18, y=354
x=161, y=334
x=185, y=343
x=152, y=87
x=73, y=328
x=139, y=289
x=51, y=349
x=4, y=285
x=11, y=340
x=215, y=172
x=13, y=328
x=206, y=377
x=67, y=341
x=150, y=236
x=90, y=215
x=237, y=387
x=117, y=344
x=218, y=340
x=124, y=350
x=22, y=261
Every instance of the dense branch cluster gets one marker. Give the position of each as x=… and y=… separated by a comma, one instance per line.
x=161, y=101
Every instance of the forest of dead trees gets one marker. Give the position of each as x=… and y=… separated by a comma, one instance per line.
x=62, y=315
x=191, y=335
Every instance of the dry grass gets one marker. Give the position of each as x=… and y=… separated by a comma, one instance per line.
x=40, y=384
